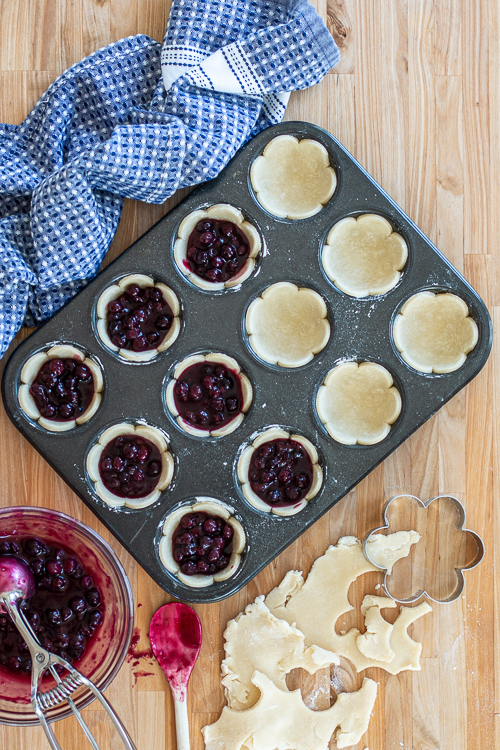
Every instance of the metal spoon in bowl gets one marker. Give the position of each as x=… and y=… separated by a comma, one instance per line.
x=16, y=586
x=175, y=635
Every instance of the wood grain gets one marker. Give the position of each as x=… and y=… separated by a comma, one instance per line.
x=416, y=99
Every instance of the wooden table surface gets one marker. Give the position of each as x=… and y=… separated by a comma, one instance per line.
x=416, y=99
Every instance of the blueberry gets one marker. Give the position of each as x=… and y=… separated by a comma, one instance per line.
x=83, y=372
x=86, y=582
x=202, y=566
x=273, y=496
x=14, y=663
x=222, y=562
x=54, y=567
x=4, y=548
x=188, y=521
x=130, y=450
x=153, y=338
x=195, y=392
x=285, y=476
x=189, y=568
x=292, y=494
x=114, y=306
x=66, y=613
x=53, y=616
x=66, y=410
x=178, y=554
x=143, y=454
x=118, y=463
x=214, y=275
x=78, y=604
x=232, y=404
x=48, y=411
x=203, y=417
x=153, y=469
x=301, y=481
x=210, y=526
x=93, y=597
x=34, y=547
x=95, y=619
x=57, y=367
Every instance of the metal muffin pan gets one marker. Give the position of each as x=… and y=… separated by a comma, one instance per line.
x=361, y=330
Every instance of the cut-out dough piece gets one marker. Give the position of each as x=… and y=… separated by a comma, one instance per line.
x=257, y=640
x=221, y=211
x=315, y=606
x=375, y=643
x=281, y=721
x=358, y=403
x=287, y=325
x=293, y=179
x=364, y=256
x=434, y=332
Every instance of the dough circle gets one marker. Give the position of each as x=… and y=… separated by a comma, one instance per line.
x=116, y=290
x=231, y=364
x=358, y=403
x=154, y=435
x=434, y=332
x=364, y=256
x=224, y=212
x=275, y=433
x=293, y=179
x=211, y=506
x=30, y=371
x=287, y=325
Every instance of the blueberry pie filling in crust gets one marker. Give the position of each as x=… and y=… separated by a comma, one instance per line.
x=202, y=543
x=130, y=465
x=138, y=318
x=60, y=388
x=280, y=472
x=209, y=395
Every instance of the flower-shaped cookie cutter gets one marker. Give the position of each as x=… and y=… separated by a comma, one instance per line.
x=459, y=571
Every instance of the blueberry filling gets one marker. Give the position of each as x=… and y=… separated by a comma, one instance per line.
x=64, y=612
x=63, y=389
x=130, y=466
x=139, y=319
x=280, y=472
x=217, y=250
x=208, y=395
x=202, y=544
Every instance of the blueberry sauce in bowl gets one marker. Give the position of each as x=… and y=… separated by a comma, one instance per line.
x=130, y=466
x=202, y=543
x=280, y=472
x=63, y=389
x=208, y=395
x=139, y=319
x=217, y=250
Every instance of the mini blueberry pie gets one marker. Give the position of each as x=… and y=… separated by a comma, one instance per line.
x=434, y=332
x=358, y=403
x=208, y=395
x=364, y=256
x=138, y=318
x=60, y=388
x=202, y=543
x=280, y=472
x=216, y=248
x=293, y=179
x=130, y=465
x=287, y=325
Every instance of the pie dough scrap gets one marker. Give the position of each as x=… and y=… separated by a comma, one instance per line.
x=29, y=372
x=434, y=332
x=375, y=643
x=287, y=325
x=314, y=606
x=364, y=256
x=257, y=640
x=214, y=507
x=224, y=212
x=281, y=721
x=154, y=435
x=293, y=179
x=116, y=290
x=358, y=403
x=275, y=433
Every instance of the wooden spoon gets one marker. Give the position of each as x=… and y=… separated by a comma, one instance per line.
x=175, y=635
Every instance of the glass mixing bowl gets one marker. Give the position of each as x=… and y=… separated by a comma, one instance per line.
x=105, y=653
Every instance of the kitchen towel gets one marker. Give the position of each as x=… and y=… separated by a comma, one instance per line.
x=140, y=120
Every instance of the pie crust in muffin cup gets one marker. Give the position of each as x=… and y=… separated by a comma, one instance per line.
x=149, y=433
x=364, y=256
x=29, y=373
x=212, y=507
x=434, y=333
x=271, y=434
x=293, y=179
x=220, y=212
x=358, y=403
x=287, y=325
x=218, y=359
x=115, y=291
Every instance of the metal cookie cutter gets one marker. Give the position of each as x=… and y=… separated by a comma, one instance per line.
x=459, y=571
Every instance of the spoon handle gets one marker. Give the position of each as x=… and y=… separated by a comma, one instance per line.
x=181, y=722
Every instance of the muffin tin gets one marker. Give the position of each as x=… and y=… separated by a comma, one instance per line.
x=361, y=329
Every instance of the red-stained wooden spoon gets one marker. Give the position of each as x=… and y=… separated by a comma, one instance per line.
x=175, y=635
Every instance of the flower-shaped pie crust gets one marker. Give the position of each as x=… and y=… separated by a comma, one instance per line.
x=358, y=403
x=293, y=179
x=30, y=371
x=222, y=212
x=287, y=325
x=152, y=434
x=212, y=507
x=364, y=256
x=434, y=332
x=246, y=391
x=275, y=433
x=115, y=291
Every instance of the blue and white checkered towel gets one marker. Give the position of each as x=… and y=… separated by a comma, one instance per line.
x=138, y=119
